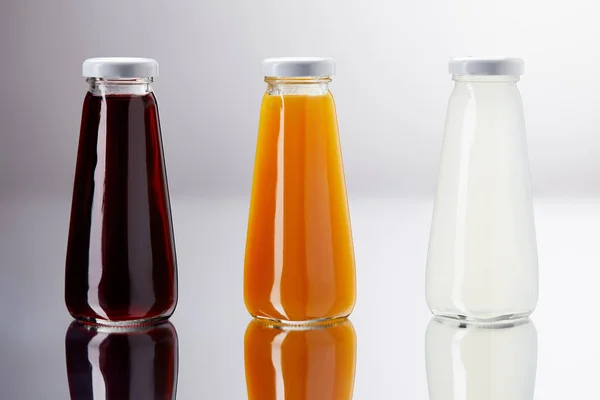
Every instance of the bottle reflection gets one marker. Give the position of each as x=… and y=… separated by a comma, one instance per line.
x=122, y=363
x=300, y=364
x=467, y=362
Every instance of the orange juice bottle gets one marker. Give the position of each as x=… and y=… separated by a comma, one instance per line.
x=317, y=363
x=299, y=265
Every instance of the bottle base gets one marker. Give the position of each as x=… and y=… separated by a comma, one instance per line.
x=307, y=324
x=122, y=324
x=504, y=320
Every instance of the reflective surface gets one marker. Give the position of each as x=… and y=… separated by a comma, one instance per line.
x=122, y=363
x=390, y=318
x=490, y=362
x=300, y=364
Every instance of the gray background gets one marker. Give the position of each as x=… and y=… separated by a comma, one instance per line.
x=391, y=89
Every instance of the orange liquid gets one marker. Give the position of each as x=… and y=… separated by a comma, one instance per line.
x=315, y=364
x=299, y=255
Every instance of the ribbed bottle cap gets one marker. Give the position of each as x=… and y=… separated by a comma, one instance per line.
x=486, y=66
x=289, y=67
x=120, y=67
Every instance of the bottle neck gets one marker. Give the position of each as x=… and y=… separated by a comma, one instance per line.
x=496, y=95
x=307, y=86
x=113, y=86
x=486, y=88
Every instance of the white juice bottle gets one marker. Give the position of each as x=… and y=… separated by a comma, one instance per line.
x=482, y=262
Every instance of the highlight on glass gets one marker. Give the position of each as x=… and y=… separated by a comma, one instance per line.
x=482, y=263
x=121, y=266
x=299, y=263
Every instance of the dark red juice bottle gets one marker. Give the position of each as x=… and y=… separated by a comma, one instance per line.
x=121, y=266
x=116, y=363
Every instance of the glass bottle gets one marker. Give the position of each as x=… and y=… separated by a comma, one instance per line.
x=481, y=361
x=121, y=265
x=122, y=363
x=314, y=363
x=299, y=264
x=482, y=263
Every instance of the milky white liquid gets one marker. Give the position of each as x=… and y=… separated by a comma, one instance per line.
x=481, y=363
x=482, y=260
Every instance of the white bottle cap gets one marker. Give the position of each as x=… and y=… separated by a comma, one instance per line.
x=486, y=66
x=120, y=67
x=298, y=67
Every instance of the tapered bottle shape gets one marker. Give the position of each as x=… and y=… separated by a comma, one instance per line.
x=299, y=263
x=121, y=265
x=482, y=260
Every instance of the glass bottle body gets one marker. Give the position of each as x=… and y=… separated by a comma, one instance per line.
x=121, y=264
x=482, y=261
x=299, y=264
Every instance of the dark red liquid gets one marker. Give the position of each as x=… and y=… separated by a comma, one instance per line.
x=121, y=262
x=134, y=365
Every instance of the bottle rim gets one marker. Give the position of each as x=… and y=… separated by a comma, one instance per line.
x=486, y=78
x=297, y=80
